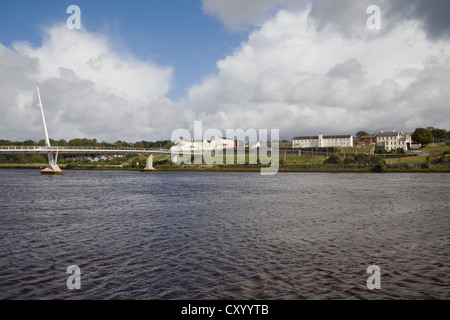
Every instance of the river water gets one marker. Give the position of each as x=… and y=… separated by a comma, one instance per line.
x=200, y=235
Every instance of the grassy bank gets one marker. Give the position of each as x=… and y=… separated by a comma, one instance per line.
x=304, y=163
x=316, y=168
x=252, y=168
x=22, y=165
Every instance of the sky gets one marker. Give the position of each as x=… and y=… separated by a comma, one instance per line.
x=139, y=69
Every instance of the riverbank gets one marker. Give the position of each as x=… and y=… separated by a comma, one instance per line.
x=433, y=158
x=253, y=168
x=311, y=168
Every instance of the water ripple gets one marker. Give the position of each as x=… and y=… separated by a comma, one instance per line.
x=223, y=235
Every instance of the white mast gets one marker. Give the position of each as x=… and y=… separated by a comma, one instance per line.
x=47, y=140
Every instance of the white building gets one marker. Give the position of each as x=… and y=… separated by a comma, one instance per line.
x=217, y=143
x=182, y=145
x=322, y=141
x=394, y=140
x=254, y=145
x=221, y=143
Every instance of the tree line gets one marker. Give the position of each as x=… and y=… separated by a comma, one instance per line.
x=422, y=136
x=165, y=144
x=429, y=135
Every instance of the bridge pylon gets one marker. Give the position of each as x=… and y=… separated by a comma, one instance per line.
x=149, y=166
x=53, y=167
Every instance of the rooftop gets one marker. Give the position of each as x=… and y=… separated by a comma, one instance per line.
x=324, y=137
x=390, y=134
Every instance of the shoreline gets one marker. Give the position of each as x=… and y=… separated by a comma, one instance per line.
x=244, y=168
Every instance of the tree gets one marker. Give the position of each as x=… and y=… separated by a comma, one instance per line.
x=139, y=145
x=75, y=143
x=333, y=159
x=361, y=134
x=5, y=143
x=28, y=143
x=422, y=136
x=439, y=134
x=83, y=143
x=380, y=167
x=42, y=142
x=361, y=158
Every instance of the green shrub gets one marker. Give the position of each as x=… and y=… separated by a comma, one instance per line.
x=361, y=158
x=380, y=167
x=376, y=158
x=348, y=161
x=333, y=159
x=427, y=165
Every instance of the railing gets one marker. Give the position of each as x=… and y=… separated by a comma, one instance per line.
x=20, y=148
x=76, y=148
x=81, y=149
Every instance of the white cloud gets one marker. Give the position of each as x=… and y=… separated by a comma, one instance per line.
x=90, y=57
x=347, y=17
x=88, y=90
x=302, y=79
x=293, y=73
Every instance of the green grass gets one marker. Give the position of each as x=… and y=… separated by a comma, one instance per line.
x=355, y=150
x=303, y=160
x=23, y=165
x=293, y=164
x=436, y=147
x=415, y=159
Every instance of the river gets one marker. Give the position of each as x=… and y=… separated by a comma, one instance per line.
x=202, y=235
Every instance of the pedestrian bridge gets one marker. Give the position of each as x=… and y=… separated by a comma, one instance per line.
x=54, y=152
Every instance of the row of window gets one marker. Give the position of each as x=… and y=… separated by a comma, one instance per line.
x=387, y=138
x=326, y=141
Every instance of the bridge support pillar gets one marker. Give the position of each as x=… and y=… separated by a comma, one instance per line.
x=53, y=167
x=149, y=166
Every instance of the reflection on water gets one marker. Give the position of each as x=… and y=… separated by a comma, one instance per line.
x=190, y=235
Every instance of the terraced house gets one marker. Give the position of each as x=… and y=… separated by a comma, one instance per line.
x=322, y=141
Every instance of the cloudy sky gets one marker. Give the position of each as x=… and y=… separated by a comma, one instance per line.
x=138, y=69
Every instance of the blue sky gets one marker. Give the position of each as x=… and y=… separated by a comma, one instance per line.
x=139, y=69
x=168, y=32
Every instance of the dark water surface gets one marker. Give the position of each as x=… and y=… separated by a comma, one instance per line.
x=190, y=235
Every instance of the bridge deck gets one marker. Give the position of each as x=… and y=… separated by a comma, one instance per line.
x=77, y=150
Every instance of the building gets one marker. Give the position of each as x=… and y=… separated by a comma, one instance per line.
x=182, y=145
x=322, y=141
x=394, y=140
x=217, y=143
x=253, y=145
x=369, y=140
